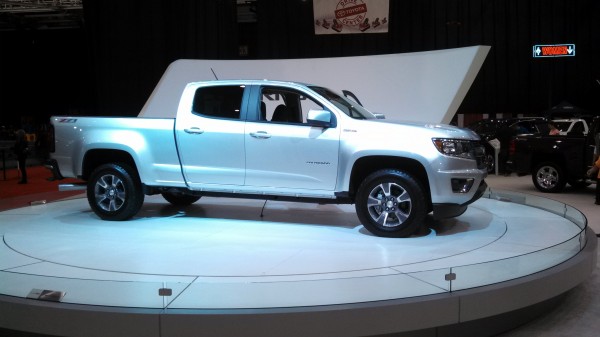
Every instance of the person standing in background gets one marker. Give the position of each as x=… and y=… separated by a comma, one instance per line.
x=21, y=150
x=597, y=167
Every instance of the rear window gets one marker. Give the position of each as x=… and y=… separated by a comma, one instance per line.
x=533, y=126
x=562, y=126
x=219, y=101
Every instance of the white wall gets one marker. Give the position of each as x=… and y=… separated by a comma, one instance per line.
x=424, y=86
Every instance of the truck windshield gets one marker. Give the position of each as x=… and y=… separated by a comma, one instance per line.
x=347, y=106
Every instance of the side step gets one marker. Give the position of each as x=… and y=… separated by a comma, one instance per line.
x=72, y=187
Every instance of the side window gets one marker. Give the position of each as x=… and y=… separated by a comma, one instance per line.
x=578, y=128
x=219, y=101
x=283, y=105
x=308, y=104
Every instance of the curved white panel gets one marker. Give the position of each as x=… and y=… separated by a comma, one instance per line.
x=425, y=86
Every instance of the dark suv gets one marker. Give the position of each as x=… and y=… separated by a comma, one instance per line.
x=503, y=130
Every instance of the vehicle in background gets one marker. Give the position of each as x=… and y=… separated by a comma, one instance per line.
x=554, y=161
x=494, y=132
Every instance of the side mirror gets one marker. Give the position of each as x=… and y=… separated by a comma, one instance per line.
x=320, y=118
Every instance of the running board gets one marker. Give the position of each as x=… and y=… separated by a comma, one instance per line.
x=72, y=187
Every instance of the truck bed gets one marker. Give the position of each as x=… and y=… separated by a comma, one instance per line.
x=151, y=140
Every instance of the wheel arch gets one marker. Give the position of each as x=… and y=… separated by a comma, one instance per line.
x=369, y=164
x=96, y=157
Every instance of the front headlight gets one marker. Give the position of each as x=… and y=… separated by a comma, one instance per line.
x=455, y=147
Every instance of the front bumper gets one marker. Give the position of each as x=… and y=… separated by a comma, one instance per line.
x=449, y=210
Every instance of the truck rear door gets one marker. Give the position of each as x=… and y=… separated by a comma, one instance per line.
x=210, y=136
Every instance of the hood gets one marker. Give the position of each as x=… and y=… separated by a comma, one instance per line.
x=431, y=129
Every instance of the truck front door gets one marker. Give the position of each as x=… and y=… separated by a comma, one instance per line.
x=283, y=151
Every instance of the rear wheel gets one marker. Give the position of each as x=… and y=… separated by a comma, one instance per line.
x=391, y=203
x=114, y=192
x=548, y=177
x=180, y=199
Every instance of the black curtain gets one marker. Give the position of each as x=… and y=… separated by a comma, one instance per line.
x=134, y=41
x=511, y=80
x=42, y=72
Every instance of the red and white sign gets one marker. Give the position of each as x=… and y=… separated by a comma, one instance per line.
x=554, y=50
x=351, y=16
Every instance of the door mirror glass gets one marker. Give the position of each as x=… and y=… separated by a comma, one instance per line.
x=321, y=118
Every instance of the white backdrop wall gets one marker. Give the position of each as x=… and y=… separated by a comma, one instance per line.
x=425, y=86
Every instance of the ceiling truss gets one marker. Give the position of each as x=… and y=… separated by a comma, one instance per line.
x=66, y=14
x=40, y=14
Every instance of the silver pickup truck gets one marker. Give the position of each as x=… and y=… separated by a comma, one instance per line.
x=273, y=140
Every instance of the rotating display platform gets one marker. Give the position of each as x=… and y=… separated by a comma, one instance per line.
x=221, y=267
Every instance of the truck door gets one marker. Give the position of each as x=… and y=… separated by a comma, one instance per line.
x=282, y=150
x=210, y=136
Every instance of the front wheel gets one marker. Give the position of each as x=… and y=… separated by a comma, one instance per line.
x=114, y=192
x=548, y=177
x=391, y=203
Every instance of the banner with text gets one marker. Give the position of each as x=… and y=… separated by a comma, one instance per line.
x=351, y=16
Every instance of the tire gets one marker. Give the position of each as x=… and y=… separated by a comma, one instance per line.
x=548, y=177
x=391, y=203
x=180, y=199
x=114, y=192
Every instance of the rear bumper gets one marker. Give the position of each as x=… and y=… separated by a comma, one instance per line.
x=448, y=210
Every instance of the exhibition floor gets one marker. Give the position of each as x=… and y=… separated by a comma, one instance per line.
x=220, y=254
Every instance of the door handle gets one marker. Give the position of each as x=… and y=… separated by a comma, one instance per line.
x=194, y=130
x=260, y=135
